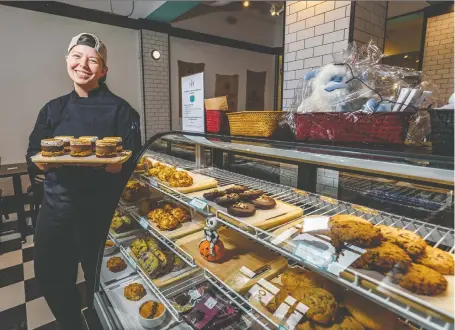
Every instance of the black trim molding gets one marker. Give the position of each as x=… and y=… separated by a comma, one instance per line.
x=71, y=11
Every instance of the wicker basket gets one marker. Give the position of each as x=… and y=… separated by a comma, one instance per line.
x=442, y=121
x=376, y=128
x=254, y=123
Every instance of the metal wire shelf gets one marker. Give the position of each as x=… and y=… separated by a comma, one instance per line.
x=313, y=204
x=404, y=195
x=436, y=236
x=171, y=160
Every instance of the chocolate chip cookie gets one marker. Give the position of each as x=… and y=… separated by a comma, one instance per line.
x=437, y=259
x=321, y=303
x=412, y=243
x=298, y=277
x=423, y=280
x=383, y=258
x=350, y=229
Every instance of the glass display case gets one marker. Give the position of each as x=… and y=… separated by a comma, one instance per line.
x=216, y=232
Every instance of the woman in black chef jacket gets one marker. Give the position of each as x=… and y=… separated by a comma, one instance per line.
x=79, y=202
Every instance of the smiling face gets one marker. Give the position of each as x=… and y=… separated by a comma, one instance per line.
x=85, y=66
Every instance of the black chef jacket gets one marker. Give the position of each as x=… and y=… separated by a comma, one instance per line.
x=100, y=114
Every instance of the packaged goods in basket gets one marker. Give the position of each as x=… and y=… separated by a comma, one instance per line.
x=215, y=115
x=358, y=100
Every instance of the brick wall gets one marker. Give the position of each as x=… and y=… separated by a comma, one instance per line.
x=314, y=31
x=369, y=22
x=438, y=55
x=156, y=82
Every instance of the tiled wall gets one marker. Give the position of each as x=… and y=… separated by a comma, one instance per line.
x=369, y=22
x=327, y=182
x=314, y=31
x=438, y=55
x=156, y=82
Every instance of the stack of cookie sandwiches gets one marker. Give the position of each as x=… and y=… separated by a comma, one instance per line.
x=240, y=201
x=416, y=266
x=82, y=147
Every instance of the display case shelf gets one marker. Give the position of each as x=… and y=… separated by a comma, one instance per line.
x=313, y=204
x=156, y=291
x=143, y=222
x=171, y=160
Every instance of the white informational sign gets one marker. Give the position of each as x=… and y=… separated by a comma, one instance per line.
x=193, y=103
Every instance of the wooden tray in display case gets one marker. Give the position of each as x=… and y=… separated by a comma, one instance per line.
x=239, y=252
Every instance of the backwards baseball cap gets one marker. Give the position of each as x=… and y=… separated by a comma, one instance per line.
x=98, y=46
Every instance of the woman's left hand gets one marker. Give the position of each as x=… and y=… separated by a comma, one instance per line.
x=113, y=168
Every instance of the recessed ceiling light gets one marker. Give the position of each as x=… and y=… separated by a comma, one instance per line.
x=246, y=3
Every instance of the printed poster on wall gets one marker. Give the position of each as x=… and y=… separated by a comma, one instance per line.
x=193, y=103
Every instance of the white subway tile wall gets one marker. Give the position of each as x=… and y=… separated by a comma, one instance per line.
x=314, y=31
x=156, y=82
x=369, y=22
x=439, y=55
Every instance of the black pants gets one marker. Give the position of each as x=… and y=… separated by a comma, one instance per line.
x=68, y=232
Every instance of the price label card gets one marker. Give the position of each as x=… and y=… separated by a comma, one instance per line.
x=144, y=223
x=210, y=303
x=261, y=294
x=247, y=272
x=194, y=294
x=153, y=183
x=293, y=320
x=315, y=224
x=282, y=327
x=198, y=204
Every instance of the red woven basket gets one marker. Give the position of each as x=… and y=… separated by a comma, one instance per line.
x=216, y=121
x=354, y=127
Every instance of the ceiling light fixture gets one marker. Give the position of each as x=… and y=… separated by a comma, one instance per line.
x=405, y=56
x=246, y=3
x=273, y=10
x=417, y=61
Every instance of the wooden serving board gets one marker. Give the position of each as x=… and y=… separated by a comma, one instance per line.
x=239, y=252
x=67, y=159
x=169, y=278
x=263, y=219
x=200, y=182
x=184, y=229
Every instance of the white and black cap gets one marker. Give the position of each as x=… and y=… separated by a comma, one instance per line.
x=99, y=46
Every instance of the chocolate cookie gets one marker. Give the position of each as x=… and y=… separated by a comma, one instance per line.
x=412, y=243
x=227, y=199
x=242, y=210
x=236, y=189
x=213, y=194
x=423, y=280
x=383, y=257
x=437, y=259
x=353, y=230
x=250, y=195
x=264, y=202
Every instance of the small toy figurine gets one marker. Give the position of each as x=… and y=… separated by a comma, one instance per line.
x=211, y=248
